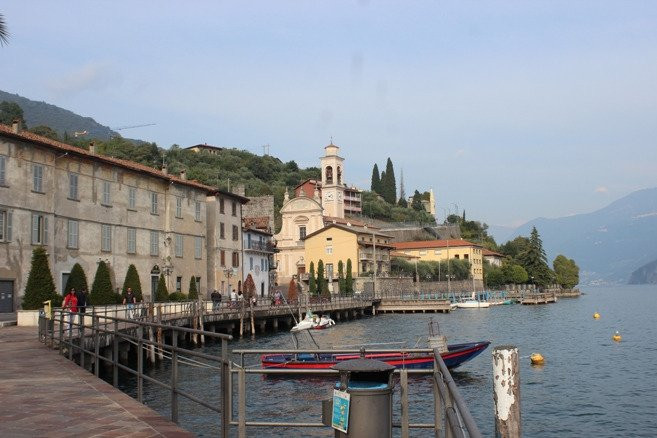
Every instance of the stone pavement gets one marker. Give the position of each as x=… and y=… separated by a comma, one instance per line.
x=43, y=394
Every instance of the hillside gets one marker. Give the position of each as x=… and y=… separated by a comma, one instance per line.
x=646, y=274
x=61, y=120
x=608, y=244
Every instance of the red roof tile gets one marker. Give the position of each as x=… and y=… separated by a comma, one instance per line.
x=422, y=244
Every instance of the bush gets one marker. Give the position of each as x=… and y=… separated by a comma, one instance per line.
x=178, y=296
x=193, y=293
x=162, y=294
x=132, y=281
x=101, y=290
x=349, y=280
x=40, y=285
x=77, y=279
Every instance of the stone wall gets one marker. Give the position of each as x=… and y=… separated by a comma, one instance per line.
x=260, y=206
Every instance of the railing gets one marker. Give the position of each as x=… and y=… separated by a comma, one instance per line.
x=452, y=418
x=260, y=246
x=71, y=333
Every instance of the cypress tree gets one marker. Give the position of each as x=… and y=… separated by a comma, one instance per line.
x=376, y=179
x=320, y=276
x=312, y=285
x=40, y=286
x=101, y=290
x=77, y=279
x=193, y=292
x=162, y=294
x=341, y=280
x=389, y=185
x=132, y=281
x=349, y=280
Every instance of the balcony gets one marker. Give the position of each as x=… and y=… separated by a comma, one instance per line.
x=260, y=246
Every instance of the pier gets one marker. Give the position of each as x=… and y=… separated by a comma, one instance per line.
x=399, y=305
x=538, y=298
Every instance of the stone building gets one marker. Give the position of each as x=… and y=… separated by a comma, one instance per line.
x=84, y=207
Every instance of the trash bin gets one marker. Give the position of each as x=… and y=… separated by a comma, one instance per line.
x=369, y=384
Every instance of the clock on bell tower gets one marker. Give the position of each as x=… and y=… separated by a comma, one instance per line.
x=332, y=181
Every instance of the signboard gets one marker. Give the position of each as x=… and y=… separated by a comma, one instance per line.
x=340, y=419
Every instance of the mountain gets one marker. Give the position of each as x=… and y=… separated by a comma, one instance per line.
x=646, y=274
x=607, y=244
x=59, y=119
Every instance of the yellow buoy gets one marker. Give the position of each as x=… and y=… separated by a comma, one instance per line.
x=537, y=359
x=616, y=337
x=596, y=315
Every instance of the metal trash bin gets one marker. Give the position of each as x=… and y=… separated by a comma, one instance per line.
x=369, y=384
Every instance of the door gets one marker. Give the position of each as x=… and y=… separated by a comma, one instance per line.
x=154, y=281
x=6, y=296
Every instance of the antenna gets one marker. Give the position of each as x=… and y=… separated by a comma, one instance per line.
x=265, y=149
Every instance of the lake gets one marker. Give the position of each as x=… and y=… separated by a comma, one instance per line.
x=589, y=385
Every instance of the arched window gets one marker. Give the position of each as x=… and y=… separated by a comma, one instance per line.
x=329, y=175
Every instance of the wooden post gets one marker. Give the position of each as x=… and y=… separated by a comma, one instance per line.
x=241, y=310
x=151, y=338
x=201, y=307
x=252, y=319
x=195, y=310
x=159, y=333
x=506, y=385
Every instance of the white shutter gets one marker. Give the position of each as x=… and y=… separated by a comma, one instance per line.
x=45, y=230
x=35, y=229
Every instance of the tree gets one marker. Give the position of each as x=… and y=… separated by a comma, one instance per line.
x=10, y=111
x=341, y=280
x=349, y=280
x=45, y=131
x=388, y=184
x=403, y=202
x=161, y=294
x=292, y=291
x=249, y=288
x=416, y=203
x=40, y=286
x=493, y=276
x=132, y=281
x=402, y=191
x=193, y=292
x=320, y=277
x=101, y=290
x=376, y=179
x=4, y=33
x=534, y=261
x=566, y=271
x=514, y=273
x=312, y=285
x=77, y=279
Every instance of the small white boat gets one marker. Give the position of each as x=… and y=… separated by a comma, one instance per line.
x=311, y=321
x=473, y=304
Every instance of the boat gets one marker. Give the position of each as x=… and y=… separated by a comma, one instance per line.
x=312, y=321
x=456, y=355
x=473, y=304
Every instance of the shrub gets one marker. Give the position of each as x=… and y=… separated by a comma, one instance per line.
x=193, y=293
x=132, y=281
x=177, y=296
x=40, y=285
x=162, y=294
x=77, y=279
x=101, y=290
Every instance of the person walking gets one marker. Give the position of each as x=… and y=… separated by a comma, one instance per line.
x=71, y=305
x=131, y=300
x=233, y=298
x=216, y=300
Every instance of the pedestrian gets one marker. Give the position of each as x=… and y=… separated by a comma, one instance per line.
x=130, y=299
x=71, y=305
x=82, y=304
x=216, y=300
x=233, y=298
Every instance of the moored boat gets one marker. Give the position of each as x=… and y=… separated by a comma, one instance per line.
x=473, y=304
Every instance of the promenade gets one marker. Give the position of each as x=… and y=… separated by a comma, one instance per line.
x=45, y=395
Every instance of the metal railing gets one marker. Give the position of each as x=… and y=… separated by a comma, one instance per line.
x=452, y=418
x=78, y=335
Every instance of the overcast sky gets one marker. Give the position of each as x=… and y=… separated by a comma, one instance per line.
x=509, y=110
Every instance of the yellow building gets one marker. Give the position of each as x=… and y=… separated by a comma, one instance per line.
x=439, y=250
x=337, y=242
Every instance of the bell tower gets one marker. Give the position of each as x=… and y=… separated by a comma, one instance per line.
x=332, y=181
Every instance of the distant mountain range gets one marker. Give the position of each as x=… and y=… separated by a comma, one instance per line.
x=608, y=244
x=59, y=119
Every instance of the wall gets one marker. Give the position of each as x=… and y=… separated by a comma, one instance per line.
x=260, y=206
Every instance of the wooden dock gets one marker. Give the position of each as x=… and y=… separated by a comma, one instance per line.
x=538, y=298
x=392, y=305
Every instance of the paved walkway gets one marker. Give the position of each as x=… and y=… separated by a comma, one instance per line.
x=43, y=394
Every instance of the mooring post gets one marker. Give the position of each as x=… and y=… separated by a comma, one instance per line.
x=159, y=332
x=506, y=386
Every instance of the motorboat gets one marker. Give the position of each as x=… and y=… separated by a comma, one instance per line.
x=314, y=322
x=473, y=304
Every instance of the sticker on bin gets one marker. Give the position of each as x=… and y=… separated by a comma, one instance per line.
x=340, y=420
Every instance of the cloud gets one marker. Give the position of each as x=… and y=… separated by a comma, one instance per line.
x=601, y=189
x=92, y=76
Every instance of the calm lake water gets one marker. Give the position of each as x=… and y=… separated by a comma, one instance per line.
x=590, y=386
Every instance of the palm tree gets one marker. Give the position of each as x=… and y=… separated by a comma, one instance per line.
x=4, y=33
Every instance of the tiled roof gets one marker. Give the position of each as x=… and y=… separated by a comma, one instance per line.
x=422, y=244
x=257, y=223
x=351, y=229
x=344, y=221
x=488, y=252
x=131, y=165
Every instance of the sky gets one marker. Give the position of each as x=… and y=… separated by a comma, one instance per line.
x=508, y=110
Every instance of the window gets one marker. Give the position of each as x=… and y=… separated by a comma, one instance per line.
x=107, y=200
x=198, y=247
x=132, y=198
x=222, y=257
x=132, y=240
x=456, y=256
x=423, y=252
x=39, y=229
x=250, y=263
x=236, y=260
x=178, y=207
x=105, y=237
x=153, y=203
x=222, y=234
x=155, y=246
x=197, y=211
x=329, y=250
x=73, y=233
x=235, y=233
x=436, y=251
x=221, y=205
x=5, y=225
x=329, y=271
x=466, y=256
x=3, y=170
x=198, y=284
x=178, y=284
x=73, y=186
x=234, y=208
x=302, y=232
x=179, y=245
x=262, y=264
x=37, y=178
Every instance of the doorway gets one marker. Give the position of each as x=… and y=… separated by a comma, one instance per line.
x=6, y=296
